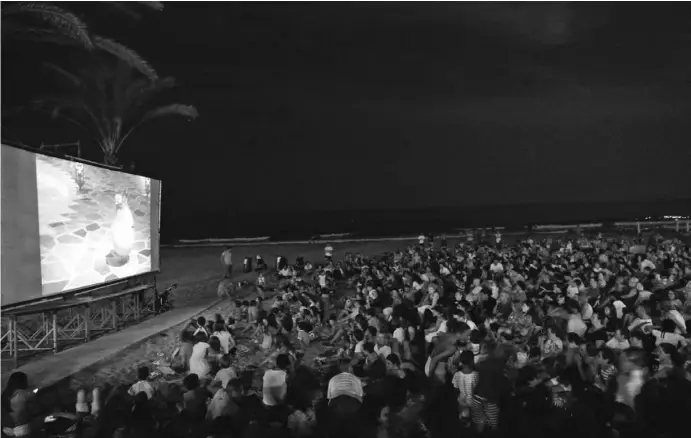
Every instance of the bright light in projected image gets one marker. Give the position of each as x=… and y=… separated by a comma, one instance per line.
x=94, y=224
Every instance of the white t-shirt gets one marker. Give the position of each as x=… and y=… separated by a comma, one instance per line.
x=384, y=351
x=614, y=344
x=227, y=257
x=142, y=386
x=587, y=311
x=496, y=267
x=399, y=334
x=619, y=307
x=274, y=387
x=225, y=338
x=576, y=325
x=471, y=324
x=201, y=330
x=358, y=347
x=647, y=264
x=668, y=338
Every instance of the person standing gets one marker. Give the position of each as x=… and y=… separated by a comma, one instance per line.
x=328, y=252
x=227, y=260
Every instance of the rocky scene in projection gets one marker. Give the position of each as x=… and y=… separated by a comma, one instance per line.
x=94, y=224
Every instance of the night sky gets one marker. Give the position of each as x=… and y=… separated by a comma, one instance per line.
x=335, y=106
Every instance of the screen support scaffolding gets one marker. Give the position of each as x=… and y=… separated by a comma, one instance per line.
x=26, y=333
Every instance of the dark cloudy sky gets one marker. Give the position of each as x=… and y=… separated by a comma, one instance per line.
x=395, y=105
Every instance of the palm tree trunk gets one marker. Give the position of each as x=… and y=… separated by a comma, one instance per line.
x=110, y=159
x=109, y=149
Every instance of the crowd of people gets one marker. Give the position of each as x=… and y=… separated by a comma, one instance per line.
x=580, y=337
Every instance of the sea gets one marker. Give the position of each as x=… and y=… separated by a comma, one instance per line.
x=303, y=225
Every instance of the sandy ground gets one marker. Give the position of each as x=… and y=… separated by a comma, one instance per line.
x=197, y=272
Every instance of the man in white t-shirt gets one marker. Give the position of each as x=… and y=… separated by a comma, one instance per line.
x=227, y=260
x=345, y=384
x=274, y=386
x=647, y=264
x=496, y=267
x=575, y=323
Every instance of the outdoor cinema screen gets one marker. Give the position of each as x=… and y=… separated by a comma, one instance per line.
x=67, y=225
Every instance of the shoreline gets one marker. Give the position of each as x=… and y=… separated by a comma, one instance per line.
x=681, y=226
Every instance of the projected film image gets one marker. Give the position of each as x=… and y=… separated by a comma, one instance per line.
x=94, y=224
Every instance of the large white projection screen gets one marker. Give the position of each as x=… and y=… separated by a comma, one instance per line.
x=68, y=226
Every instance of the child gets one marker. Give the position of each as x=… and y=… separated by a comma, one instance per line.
x=236, y=311
x=201, y=327
x=262, y=335
x=260, y=284
x=142, y=384
x=194, y=399
x=608, y=370
x=244, y=312
x=359, y=341
x=370, y=355
x=303, y=333
x=226, y=373
x=253, y=311
x=261, y=264
x=465, y=381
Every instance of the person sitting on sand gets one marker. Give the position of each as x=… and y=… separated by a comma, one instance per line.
x=198, y=361
x=274, y=386
x=304, y=333
x=19, y=406
x=194, y=399
x=244, y=312
x=253, y=311
x=262, y=334
x=182, y=354
x=142, y=384
x=337, y=329
x=261, y=264
x=226, y=373
x=224, y=336
x=200, y=325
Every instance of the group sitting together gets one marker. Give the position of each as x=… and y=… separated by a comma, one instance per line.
x=578, y=337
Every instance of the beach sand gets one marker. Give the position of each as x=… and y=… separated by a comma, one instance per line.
x=197, y=272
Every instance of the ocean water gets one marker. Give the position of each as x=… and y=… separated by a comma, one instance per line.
x=384, y=223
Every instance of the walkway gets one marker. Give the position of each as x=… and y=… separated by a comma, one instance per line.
x=49, y=370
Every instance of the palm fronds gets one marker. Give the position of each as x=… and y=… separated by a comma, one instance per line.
x=130, y=8
x=111, y=101
x=174, y=109
x=156, y=6
x=124, y=53
x=57, y=20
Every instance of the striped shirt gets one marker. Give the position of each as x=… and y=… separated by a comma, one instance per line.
x=465, y=383
x=345, y=384
x=607, y=372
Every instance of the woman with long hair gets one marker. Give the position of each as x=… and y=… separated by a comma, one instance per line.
x=19, y=406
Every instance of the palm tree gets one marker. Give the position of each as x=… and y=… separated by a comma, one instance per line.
x=51, y=24
x=110, y=99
